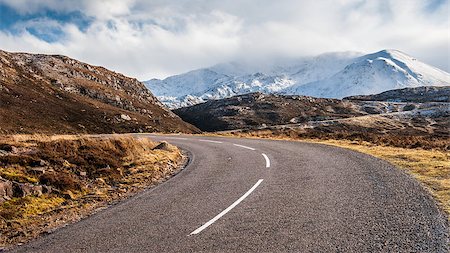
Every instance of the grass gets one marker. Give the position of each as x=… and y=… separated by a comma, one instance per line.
x=19, y=209
x=17, y=173
x=84, y=172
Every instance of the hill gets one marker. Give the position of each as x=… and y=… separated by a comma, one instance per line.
x=260, y=110
x=417, y=94
x=57, y=94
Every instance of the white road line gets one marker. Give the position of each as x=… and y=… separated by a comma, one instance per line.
x=242, y=146
x=176, y=138
x=207, y=224
x=211, y=141
x=267, y=160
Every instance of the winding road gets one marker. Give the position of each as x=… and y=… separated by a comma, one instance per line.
x=247, y=195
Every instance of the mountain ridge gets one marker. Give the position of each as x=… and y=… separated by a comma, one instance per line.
x=330, y=75
x=56, y=94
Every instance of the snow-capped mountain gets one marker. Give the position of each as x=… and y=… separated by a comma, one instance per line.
x=331, y=75
x=374, y=73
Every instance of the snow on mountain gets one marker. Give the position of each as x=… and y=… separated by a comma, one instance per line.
x=374, y=73
x=333, y=75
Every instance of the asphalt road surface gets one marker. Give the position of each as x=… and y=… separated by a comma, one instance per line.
x=242, y=195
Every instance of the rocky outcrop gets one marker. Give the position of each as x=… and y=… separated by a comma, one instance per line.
x=163, y=146
x=12, y=189
x=57, y=94
x=21, y=190
x=6, y=190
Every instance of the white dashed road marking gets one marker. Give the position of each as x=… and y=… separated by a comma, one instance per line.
x=242, y=146
x=211, y=141
x=267, y=160
x=207, y=224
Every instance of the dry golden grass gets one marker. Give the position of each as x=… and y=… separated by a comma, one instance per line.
x=19, y=209
x=32, y=138
x=85, y=172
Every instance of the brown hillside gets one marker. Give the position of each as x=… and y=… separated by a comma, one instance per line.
x=260, y=110
x=56, y=94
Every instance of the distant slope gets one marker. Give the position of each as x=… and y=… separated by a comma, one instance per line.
x=57, y=94
x=230, y=79
x=331, y=75
x=375, y=73
x=418, y=95
x=259, y=110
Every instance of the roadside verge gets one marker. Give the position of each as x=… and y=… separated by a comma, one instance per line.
x=47, y=182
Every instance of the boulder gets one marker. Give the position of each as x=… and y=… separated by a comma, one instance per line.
x=6, y=147
x=125, y=117
x=21, y=190
x=163, y=146
x=37, y=190
x=6, y=190
x=43, y=163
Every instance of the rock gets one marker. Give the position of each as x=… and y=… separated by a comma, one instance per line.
x=125, y=117
x=6, y=147
x=6, y=190
x=38, y=170
x=162, y=146
x=43, y=163
x=37, y=190
x=21, y=190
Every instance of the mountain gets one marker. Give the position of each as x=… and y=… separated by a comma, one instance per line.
x=418, y=95
x=375, y=73
x=330, y=75
x=56, y=94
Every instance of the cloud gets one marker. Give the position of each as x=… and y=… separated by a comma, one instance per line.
x=157, y=38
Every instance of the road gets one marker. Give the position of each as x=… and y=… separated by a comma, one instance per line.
x=247, y=195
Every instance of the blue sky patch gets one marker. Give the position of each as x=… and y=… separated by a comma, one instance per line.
x=15, y=23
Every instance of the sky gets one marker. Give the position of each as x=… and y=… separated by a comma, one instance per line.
x=158, y=38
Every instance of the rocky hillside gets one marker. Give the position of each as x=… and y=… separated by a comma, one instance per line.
x=57, y=94
x=260, y=110
x=418, y=94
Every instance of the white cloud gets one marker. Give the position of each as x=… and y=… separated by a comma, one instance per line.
x=157, y=38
